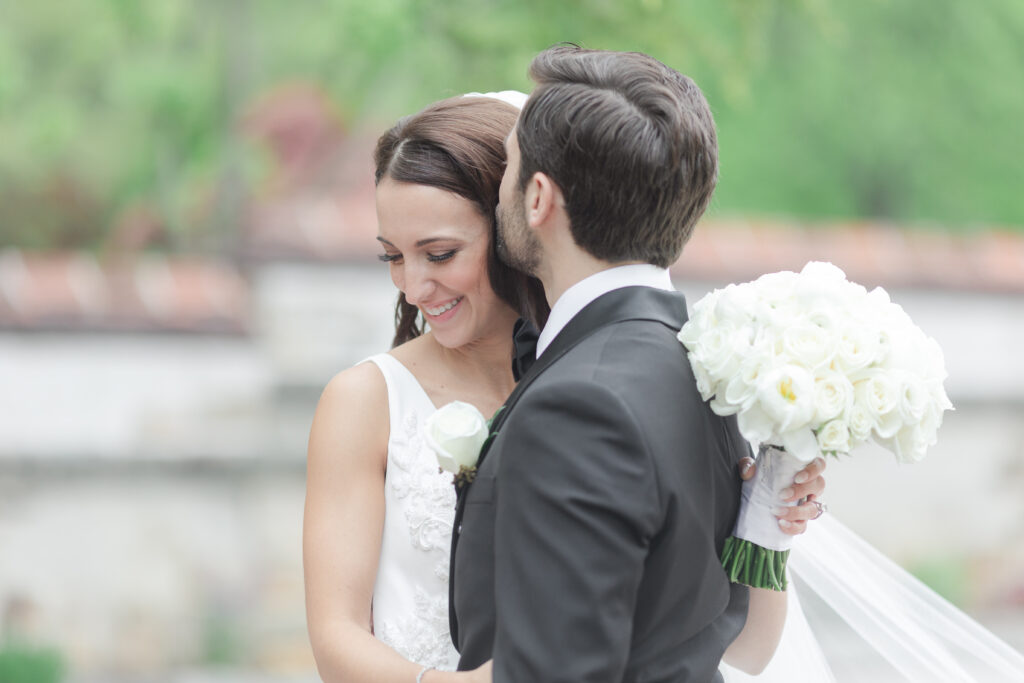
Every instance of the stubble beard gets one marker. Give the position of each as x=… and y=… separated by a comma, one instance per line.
x=516, y=245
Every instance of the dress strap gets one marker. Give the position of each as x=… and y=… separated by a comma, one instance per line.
x=404, y=390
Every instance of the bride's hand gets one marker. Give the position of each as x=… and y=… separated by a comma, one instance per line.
x=481, y=674
x=808, y=483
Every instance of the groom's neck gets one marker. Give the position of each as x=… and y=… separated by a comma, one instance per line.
x=561, y=271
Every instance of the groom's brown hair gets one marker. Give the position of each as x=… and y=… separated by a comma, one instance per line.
x=630, y=142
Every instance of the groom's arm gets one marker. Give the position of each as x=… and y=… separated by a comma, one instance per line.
x=576, y=509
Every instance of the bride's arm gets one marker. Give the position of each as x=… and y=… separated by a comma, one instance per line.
x=754, y=647
x=342, y=528
x=756, y=643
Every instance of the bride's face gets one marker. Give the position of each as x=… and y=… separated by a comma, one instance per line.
x=436, y=245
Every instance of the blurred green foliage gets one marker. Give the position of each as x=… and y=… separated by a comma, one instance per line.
x=905, y=110
x=222, y=641
x=27, y=665
x=948, y=576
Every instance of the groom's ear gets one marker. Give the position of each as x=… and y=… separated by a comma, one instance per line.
x=544, y=200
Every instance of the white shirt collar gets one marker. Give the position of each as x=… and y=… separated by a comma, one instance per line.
x=575, y=299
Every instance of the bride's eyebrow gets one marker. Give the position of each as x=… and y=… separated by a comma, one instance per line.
x=420, y=243
x=431, y=240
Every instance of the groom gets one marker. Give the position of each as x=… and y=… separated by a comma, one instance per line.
x=587, y=548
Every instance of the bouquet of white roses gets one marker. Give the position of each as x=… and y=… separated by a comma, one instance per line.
x=812, y=363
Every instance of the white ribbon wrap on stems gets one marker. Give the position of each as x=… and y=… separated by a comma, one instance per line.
x=755, y=523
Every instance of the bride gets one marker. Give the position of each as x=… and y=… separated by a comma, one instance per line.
x=378, y=513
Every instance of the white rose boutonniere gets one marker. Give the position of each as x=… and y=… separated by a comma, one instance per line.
x=457, y=432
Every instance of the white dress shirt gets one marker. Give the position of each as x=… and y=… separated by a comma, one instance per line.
x=576, y=298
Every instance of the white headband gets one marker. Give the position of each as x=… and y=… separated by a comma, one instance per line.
x=514, y=97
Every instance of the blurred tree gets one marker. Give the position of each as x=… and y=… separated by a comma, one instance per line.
x=112, y=110
x=906, y=111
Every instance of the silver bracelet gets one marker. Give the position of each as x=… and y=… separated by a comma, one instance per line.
x=423, y=671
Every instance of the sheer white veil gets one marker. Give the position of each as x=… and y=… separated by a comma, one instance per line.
x=906, y=628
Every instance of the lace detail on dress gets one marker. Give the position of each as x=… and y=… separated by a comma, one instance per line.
x=430, y=508
x=421, y=637
x=410, y=599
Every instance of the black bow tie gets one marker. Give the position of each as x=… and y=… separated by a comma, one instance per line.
x=524, y=336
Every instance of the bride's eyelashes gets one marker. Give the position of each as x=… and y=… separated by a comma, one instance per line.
x=433, y=258
x=441, y=258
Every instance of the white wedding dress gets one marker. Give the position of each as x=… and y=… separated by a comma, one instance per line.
x=907, y=628
x=410, y=597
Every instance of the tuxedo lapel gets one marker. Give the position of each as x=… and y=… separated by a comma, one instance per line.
x=619, y=305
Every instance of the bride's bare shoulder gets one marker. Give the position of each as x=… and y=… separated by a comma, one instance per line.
x=353, y=410
x=357, y=388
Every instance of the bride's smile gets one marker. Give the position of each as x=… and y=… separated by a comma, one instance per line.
x=439, y=313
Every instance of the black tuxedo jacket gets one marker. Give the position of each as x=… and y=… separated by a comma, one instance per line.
x=587, y=548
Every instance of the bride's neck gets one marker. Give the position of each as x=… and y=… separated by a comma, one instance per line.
x=485, y=362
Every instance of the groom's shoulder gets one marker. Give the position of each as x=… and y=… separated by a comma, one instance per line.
x=630, y=358
x=642, y=345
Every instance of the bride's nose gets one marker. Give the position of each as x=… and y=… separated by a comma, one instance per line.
x=419, y=285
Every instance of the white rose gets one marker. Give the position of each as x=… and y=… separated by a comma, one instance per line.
x=693, y=328
x=826, y=317
x=858, y=346
x=834, y=437
x=880, y=396
x=705, y=385
x=809, y=345
x=930, y=424
x=735, y=305
x=820, y=286
x=780, y=314
x=878, y=298
x=716, y=351
x=833, y=396
x=905, y=348
x=909, y=444
x=860, y=423
x=823, y=271
x=775, y=287
x=742, y=388
x=883, y=356
x=456, y=432
x=914, y=399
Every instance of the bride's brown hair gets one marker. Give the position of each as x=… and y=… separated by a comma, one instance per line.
x=458, y=145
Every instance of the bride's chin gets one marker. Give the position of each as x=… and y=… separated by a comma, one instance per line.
x=464, y=344
x=449, y=339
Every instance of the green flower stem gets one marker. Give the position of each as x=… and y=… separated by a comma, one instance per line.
x=752, y=565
